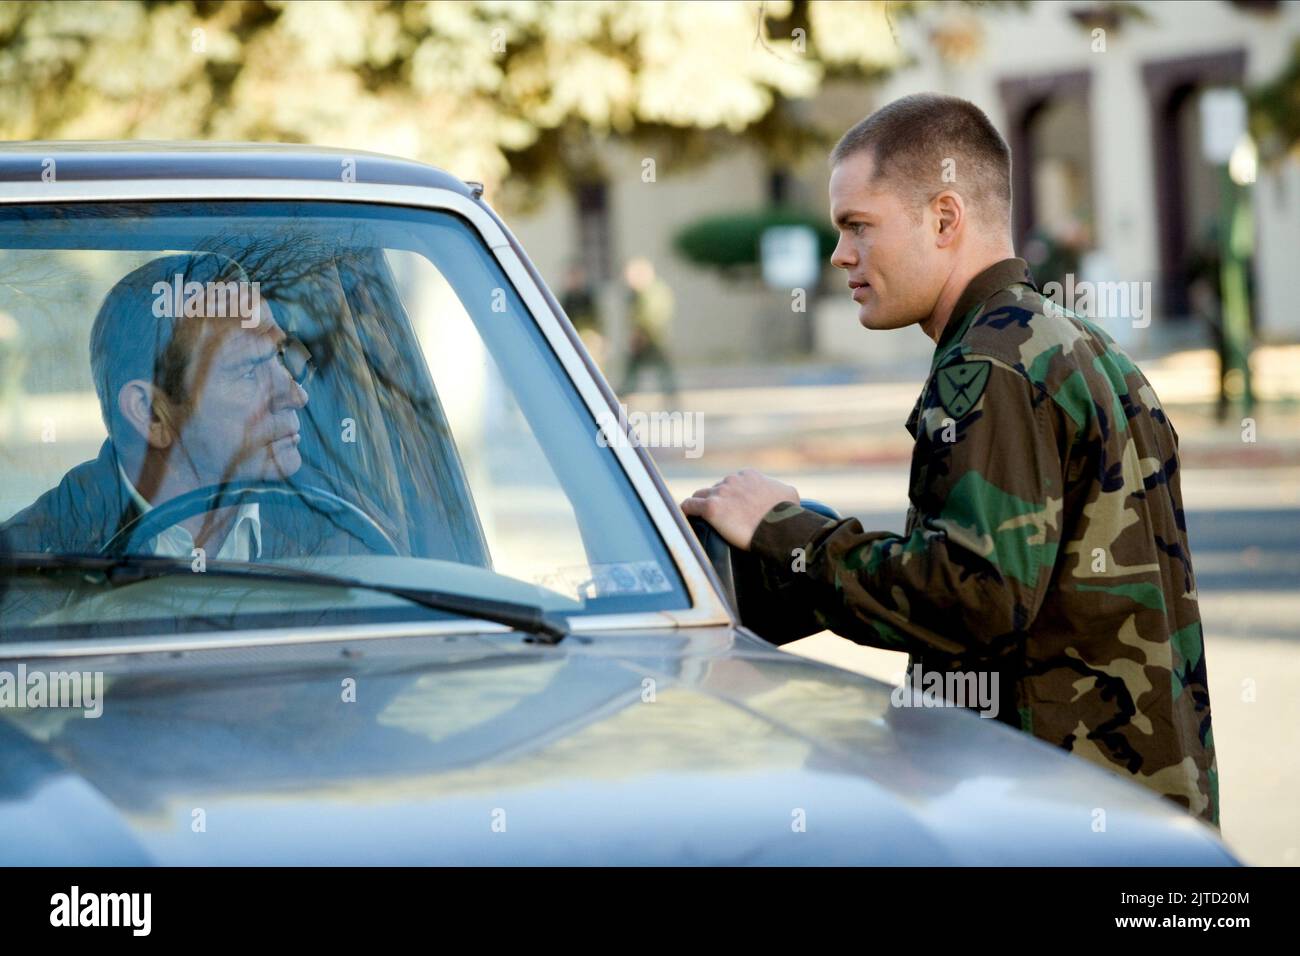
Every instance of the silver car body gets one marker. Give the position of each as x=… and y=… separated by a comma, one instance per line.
x=672, y=737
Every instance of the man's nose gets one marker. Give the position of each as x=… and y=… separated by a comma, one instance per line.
x=288, y=393
x=299, y=396
x=843, y=256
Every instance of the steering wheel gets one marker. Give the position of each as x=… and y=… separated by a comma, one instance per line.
x=347, y=516
x=778, y=615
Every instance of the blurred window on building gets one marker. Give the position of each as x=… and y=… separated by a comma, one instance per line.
x=594, y=233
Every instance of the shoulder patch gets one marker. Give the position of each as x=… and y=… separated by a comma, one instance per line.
x=960, y=386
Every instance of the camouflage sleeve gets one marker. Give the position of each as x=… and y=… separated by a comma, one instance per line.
x=970, y=574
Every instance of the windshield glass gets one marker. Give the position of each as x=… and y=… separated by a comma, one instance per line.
x=340, y=388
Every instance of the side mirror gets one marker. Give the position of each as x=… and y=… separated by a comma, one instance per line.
x=778, y=614
x=719, y=553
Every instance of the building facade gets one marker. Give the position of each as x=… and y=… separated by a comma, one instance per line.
x=1110, y=181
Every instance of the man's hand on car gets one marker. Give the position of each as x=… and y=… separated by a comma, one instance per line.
x=736, y=505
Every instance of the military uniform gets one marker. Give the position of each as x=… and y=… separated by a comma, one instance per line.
x=1045, y=540
x=651, y=315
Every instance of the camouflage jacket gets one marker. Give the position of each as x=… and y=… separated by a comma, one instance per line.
x=1045, y=541
x=651, y=309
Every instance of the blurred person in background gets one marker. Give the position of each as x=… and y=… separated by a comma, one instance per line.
x=1204, y=274
x=1052, y=255
x=650, y=312
x=579, y=301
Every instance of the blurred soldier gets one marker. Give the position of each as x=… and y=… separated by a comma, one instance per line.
x=1204, y=267
x=1204, y=272
x=1045, y=542
x=578, y=300
x=651, y=314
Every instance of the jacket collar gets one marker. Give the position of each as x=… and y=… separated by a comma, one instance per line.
x=249, y=512
x=995, y=278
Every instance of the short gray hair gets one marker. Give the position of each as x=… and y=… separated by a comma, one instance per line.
x=128, y=341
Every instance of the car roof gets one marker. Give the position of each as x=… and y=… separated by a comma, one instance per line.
x=90, y=161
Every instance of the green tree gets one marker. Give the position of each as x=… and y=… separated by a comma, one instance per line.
x=511, y=92
x=1275, y=111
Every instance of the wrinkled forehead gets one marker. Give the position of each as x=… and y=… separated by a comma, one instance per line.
x=227, y=340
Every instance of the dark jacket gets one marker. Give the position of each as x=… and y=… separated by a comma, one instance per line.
x=91, y=504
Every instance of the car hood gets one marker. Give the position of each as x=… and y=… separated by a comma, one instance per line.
x=680, y=746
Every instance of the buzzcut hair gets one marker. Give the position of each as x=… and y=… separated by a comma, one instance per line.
x=928, y=142
x=129, y=341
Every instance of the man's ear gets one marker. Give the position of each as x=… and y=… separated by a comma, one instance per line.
x=148, y=411
x=950, y=217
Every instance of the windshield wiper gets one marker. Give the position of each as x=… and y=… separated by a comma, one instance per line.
x=127, y=569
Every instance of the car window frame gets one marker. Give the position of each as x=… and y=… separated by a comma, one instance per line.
x=707, y=606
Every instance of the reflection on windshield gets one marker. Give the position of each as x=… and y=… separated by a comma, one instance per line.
x=196, y=386
x=284, y=357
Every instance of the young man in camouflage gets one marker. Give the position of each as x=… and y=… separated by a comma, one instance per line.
x=1045, y=539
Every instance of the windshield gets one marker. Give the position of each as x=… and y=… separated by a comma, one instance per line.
x=335, y=388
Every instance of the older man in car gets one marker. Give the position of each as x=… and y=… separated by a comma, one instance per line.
x=195, y=392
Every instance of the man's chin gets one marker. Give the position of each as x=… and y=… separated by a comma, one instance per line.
x=870, y=319
x=282, y=460
x=877, y=321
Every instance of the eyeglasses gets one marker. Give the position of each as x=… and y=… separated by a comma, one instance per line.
x=296, y=359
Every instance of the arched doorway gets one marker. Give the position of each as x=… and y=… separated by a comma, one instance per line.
x=1187, y=192
x=1050, y=136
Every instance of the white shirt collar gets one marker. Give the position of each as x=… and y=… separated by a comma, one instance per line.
x=243, y=542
